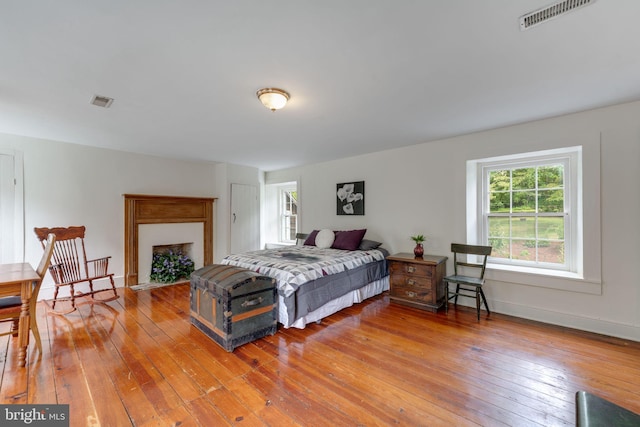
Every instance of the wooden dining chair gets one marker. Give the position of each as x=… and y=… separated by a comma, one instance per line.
x=11, y=307
x=468, y=276
x=70, y=267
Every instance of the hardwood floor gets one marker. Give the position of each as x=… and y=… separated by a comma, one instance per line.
x=138, y=361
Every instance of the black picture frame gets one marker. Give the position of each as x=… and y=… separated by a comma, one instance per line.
x=350, y=198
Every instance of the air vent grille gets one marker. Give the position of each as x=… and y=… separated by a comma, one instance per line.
x=542, y=15
x=101, y=101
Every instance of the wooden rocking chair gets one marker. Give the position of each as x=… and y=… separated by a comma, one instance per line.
x=70, y=266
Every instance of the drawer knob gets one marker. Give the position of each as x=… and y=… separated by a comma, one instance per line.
x=411, y=269
x=411, y=294
x=411, y=282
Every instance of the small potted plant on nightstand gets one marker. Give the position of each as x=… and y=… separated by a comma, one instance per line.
x=418, y=251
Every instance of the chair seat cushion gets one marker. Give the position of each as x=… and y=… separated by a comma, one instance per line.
x=10, y=305
x=10, y=301
x=464, y=280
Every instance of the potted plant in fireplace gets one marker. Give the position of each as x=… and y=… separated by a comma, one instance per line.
x=170, y=267
x=418, y=251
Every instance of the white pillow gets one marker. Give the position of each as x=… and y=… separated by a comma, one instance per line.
x=324, y=238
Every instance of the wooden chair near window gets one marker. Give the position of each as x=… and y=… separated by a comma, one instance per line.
x=468, y=276
x=11, y=307
x=301, y=237
x=70, y=267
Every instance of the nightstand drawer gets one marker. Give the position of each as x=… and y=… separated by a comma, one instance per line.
x=411, y=281
x=419, y=294
x=410, y=269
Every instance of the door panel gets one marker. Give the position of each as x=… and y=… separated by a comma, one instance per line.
x=245, y=218
x=11, y=207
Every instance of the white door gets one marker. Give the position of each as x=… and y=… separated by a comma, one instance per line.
x=11, y=212
x=245, y=218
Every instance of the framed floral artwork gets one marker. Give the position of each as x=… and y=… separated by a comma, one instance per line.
x=350, y=198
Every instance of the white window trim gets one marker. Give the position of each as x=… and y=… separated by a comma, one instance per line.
x=587, y=275
x=282, y=188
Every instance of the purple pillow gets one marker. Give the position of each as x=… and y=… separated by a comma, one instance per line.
x=311, y=238
x=348, y=240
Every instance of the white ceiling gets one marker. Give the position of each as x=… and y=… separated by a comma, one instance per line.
x=364, y=75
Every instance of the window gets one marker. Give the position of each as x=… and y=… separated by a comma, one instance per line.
x=288, y=213
x=281, y=213
x=529, y=209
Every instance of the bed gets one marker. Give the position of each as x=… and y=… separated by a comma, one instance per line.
x=314, y=282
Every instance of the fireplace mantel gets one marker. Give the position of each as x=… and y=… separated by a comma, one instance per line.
x=150, y=209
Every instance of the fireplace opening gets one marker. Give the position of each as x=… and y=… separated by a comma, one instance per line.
x=171, y=263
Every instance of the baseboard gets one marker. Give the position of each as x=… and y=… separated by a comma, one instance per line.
x=583, y=323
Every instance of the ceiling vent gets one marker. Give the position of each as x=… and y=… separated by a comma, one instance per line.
x=542, y=15
x=101, y=101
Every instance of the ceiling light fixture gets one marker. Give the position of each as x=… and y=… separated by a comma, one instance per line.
x=272, y=98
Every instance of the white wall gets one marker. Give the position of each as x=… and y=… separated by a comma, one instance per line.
x=421, y=189
x=68, y=184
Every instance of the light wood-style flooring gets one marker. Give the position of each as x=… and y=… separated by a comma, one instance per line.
x=138, y=361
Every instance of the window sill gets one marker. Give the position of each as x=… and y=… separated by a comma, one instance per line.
x=552, y=279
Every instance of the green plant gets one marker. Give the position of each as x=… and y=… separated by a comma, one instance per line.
x=169, y=267
x=418, y=238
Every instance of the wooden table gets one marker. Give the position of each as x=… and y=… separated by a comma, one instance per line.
x=17, y=279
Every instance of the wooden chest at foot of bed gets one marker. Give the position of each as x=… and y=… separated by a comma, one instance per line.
x=233, y=305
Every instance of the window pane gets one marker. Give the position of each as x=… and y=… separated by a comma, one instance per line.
x=500, y=180
x=524, y=179
x=523, y=227
x=551, y=252
x=499, y=227
x=524, y=250
x=524, y=201
x=551, y=228
x=292, y=227
x=499, y=202
x=550, y=176
x=551, y=201
x=293, y=201
x=500, y=248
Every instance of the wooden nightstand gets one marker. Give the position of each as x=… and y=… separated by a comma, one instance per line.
x=417, y=281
